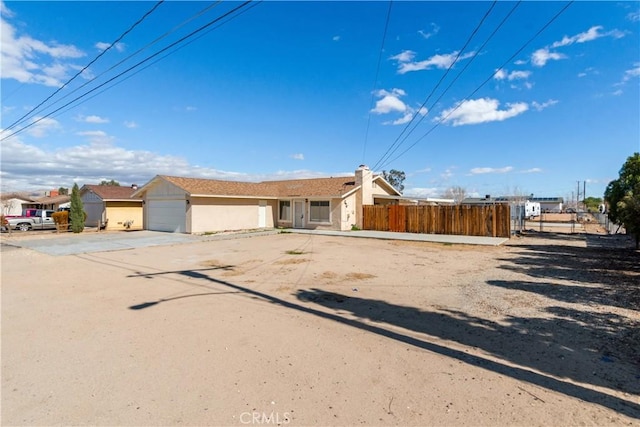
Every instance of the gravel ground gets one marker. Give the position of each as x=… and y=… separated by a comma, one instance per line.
x=322, y=330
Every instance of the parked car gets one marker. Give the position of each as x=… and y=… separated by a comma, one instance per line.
x=42, y=220
x=570, y=210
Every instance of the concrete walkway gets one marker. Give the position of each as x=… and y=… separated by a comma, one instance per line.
x=69, y=244
x=415, y=237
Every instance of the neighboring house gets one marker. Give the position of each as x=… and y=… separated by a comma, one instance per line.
x=192, y=205
x=52, y=201
x=13, y=203
x=549, y=204
x=112, y=207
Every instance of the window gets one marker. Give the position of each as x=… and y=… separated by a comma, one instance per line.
x=319, y=211
x=285, y=210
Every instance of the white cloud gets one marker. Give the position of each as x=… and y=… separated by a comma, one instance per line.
x=92, y=119
x=483, y=110
x=532, y=170
x=130, y=124
x=28, y=60
x=520, y=62
x=429, y=33
x=480, y=171
x=120, y=47
x=500, y=74
x=297, y=156
x=43, y=126
x=422, y=192
x=503, y=74
x=542, y=106
x=633, y=16
x=589, y=35
x=28, y=167
x=631, y=73
x=405, y=56
x=519, y=75
x=96, y=136
x=617, y=92
x=336, y=38
x=541, y=56
x=406, y=63
x=389, y=102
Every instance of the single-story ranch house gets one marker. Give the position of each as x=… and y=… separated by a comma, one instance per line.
x=192, y=205
x=112, y=207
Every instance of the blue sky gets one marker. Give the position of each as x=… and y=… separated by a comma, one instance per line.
x=310, y=89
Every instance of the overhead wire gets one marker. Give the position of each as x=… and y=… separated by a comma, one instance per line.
x=442, y=119
x=171, y=52
x=145, y=47
x=170, y=46
x=464, y=68
x=375, y=80
x=116, y=41
x=419, y=110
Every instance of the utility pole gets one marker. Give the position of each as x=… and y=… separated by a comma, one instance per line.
x=578, y=197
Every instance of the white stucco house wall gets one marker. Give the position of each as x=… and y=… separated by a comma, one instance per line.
x=195, y=205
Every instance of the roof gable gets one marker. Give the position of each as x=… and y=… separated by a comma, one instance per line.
x=110, y=192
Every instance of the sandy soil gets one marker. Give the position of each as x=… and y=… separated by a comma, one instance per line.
x=314, y=330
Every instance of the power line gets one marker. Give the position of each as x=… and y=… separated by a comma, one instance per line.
x=135, y=24
x=467, y=64
x=544, y=27
x=159, y=59
x=375, y=81
x=148, y=45
x=473, y=33
x=193, y=33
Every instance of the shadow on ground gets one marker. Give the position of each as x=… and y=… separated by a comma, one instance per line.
x=537, y=345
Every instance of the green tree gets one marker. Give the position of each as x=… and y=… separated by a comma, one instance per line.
x=76, y=214
x=623, y=197
x=63, y=191
x=111, y=183
x=395, y=178
x=592, y=203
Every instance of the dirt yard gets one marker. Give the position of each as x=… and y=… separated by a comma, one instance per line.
x=307, y=330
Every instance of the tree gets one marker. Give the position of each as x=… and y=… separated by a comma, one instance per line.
x=63, y=191
x=110, y=183
x=592, y=203
x=623, y=197
x=76, y=214
x=395, y=178
x=458, y=194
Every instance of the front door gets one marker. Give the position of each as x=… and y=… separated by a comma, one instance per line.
x=298, y=214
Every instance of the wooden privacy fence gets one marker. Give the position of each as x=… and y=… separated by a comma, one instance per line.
x=465, y=220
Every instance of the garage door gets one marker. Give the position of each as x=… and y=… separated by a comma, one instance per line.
x=167, y=215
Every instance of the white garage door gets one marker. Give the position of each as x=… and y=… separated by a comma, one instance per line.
x=167, y=215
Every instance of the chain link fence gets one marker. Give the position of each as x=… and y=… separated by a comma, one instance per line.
x=610, y=226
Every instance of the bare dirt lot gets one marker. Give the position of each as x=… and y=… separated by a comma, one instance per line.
x=317, y=330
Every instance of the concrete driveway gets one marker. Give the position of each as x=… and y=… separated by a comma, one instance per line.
x=70, y=244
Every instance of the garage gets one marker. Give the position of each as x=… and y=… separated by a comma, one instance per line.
x=166, y=215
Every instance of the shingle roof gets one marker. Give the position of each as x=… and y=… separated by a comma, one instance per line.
x=325, y=187
x=111, y=192
x=53, y=200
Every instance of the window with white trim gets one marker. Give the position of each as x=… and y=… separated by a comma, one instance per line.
x=320, y=211
x=285, y=210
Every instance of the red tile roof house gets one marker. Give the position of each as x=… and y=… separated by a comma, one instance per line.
x=191, y=205
x=112, y=207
